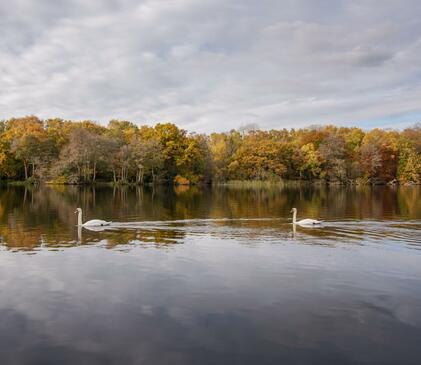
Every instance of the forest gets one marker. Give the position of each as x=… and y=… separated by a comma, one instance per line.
x=84, y=152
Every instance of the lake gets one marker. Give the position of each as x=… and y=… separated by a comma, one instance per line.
x=210, y=276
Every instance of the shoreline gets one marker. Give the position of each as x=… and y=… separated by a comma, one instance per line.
x=231, y=183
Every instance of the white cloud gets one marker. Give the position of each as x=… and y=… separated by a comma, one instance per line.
x=211, y=65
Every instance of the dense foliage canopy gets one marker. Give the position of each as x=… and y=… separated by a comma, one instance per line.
x=61, y=151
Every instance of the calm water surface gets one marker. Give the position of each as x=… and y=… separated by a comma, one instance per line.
x=210, y=276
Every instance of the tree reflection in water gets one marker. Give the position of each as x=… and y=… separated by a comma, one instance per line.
x=35, y=217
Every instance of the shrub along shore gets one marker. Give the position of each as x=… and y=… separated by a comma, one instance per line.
x=60, y=151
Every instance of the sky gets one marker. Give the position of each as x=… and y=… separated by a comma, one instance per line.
x=213, y=65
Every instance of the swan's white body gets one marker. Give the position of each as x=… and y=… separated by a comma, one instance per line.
x=91, y=223
x=303, y=222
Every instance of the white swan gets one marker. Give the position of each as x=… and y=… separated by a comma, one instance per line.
x=91, y=223
x=303, y=222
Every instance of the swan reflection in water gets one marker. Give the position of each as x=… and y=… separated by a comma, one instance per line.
x=293, y=233
x=91, y=229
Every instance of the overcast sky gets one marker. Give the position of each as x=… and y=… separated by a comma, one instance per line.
x=213, y=65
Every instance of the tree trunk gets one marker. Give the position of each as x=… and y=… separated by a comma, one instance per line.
x=125, y=173
x=94, y=172
x=139, y=174
x=25, y=165
x=87, y=177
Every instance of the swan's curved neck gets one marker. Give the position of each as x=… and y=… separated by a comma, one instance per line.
x=294, y=216
x=79, y=218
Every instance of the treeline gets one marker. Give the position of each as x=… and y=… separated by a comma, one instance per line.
x=62, y=151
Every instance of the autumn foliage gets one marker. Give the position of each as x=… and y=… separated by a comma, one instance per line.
x=62, y=151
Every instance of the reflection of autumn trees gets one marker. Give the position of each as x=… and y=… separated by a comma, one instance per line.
x=29, y=216
x=17, y=236
x=237, y=202
x=408, y=202
x=158, y=237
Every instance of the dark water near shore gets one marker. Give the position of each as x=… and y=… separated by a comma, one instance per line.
x=210, y=276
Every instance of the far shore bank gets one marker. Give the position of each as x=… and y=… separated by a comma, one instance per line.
x=231, y=183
